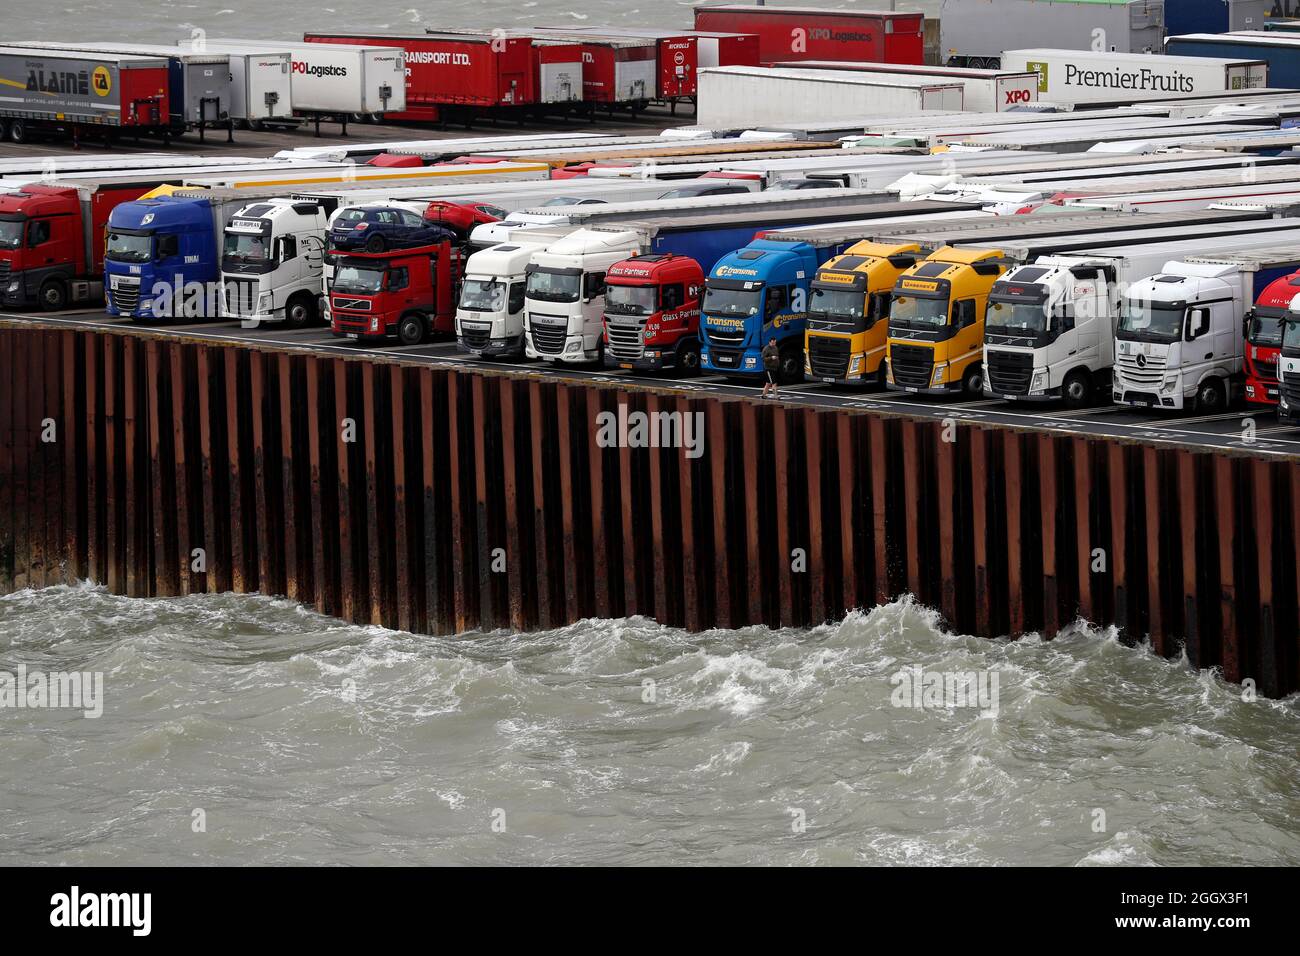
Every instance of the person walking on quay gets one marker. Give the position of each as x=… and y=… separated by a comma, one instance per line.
x=772, y=363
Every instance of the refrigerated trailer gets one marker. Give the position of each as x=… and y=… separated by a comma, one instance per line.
x=1084, y=76
x=334, y=79
x=732, y=96
x=83, y=93
x=986, y=91
x=818, y=33
x=454, y=76
x=200, y=81
x=976, y=33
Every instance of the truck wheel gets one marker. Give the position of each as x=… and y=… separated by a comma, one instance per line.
x=972, y=383
x=52, y=296
x=375, y=244
x=18, y=131
x=1210, y=396
x=300, y=311
x=791, y=366
x=688, y=358
x=411, y=330
x=1077, y=389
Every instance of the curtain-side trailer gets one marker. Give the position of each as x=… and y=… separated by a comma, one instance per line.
x=818, y=33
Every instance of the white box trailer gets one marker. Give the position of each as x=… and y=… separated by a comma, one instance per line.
x=295, y=179
x=335, y=79
x=975, y=32
x=261, y=83
x=1176, y=200
x=742, y=95
x=1082, y=76
x=986, y=91
x=431, y=148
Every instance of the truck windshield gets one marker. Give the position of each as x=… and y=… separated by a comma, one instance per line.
x=554, y=286
x=911, y=311
x=1266, y=328
x=1027, y=317
x=630, y=299
x=363, y=281
x=838, y=307
x=129, y=248
x=1154, y=322
x=1291, y=336
x=244, y=246
x=483, y=295
x=743, y=302
x=11, y=233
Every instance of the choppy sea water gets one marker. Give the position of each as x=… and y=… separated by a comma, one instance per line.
x=169, y=21
x=304, y=740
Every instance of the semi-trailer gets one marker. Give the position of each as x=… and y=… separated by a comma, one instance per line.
x=1176, y=200
x=454, y=76
x=83, y=94
x=1218, y=16
x=1179, y=340
x=1281, y=50
x=975, y=34
x=985, y=91
x=676, y=55
x=335, y=80
x=731, y=96
x=718, y=48
x=199, y=81
x=1084, y=76
x=815, y=33
x=299, y=177
x=1050, y=327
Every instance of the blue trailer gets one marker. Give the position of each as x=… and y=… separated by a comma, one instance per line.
x=1280, y=50
x=1217, y=16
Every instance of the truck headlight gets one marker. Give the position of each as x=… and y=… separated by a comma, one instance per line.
x=938, y=374
x=1169, y=385
x=1039, y=382
x=573, y=347
x=265, y=302
x=704, y=355
x=15, y=286
x=807, y=365
x=374, y=324
x=750, y=361
x=855, y=365
x=889, y=373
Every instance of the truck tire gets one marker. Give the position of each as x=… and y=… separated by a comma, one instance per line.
x=972, y=383
x=299, y=312
x=1210, y=396
x=412, y=329
x=688, y=358
x=18, y=131
x=52, y=296
x=376, y=244
x=791, y=371
x=1077, y=389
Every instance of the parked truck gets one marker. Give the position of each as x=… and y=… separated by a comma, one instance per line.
x=652, y=313
x=1265, y=327
x=409, y=293
x=82, y=94
x=812, y=33
x=1179, y=337
x=975, y=34
x=1084, y=76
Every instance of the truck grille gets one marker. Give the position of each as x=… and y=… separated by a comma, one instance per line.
x=240, y=296
x=126, y=295
x=1291, y=388
x=343, y=322
x=912, y=365
x=626, y=341
x=476, y=337
x=1010, y=372
x=828, y=357
x=1266, y=371
x=1149, y=373
x=726, y=336
x=5, y=267
x=725, y=358
x=547, y=338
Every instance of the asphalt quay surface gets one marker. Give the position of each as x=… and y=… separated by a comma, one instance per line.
x=1226, y=430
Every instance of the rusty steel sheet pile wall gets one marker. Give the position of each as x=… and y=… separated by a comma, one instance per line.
x=438, y=500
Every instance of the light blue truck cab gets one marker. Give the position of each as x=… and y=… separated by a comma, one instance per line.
x=752, y=295
x=161, y=260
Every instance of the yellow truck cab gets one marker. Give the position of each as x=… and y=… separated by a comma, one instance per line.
x=848, y=312
x=936, y=322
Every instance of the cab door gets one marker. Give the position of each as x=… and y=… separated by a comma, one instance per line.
x=967, y=344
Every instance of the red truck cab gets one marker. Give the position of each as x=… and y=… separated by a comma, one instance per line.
x=41, y=245
x=652, y=313
x=1264, y=327
x=410, y=293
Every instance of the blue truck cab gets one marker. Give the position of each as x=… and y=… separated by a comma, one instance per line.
x=752, y=295
x=161, y=259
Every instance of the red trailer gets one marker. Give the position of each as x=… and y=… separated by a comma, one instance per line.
x=617, y=72
x=676, y=55
x=726, y=49
x=818, y=33
x=455, y=75
x=556, y=63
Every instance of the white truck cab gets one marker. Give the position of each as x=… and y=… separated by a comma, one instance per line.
x=565, y=296
x=490, y=314
x=272, y=262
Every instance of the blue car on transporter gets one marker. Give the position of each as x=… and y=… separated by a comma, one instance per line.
x=378, y=228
